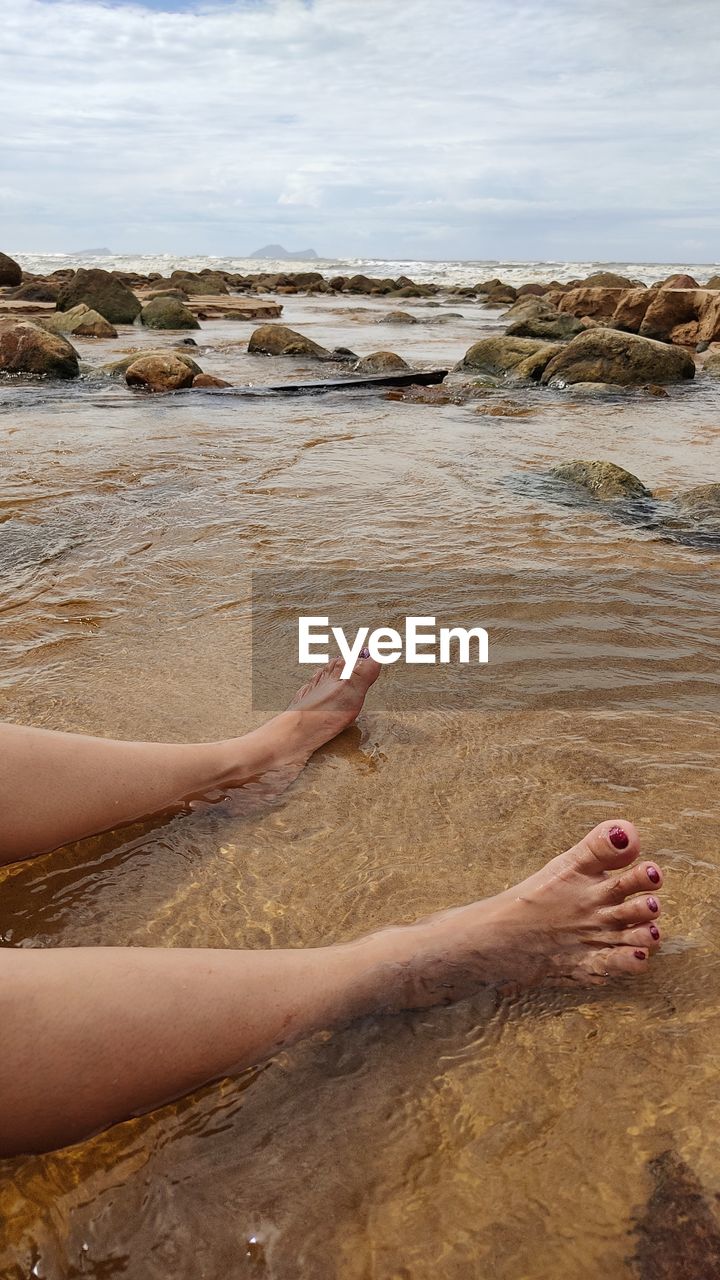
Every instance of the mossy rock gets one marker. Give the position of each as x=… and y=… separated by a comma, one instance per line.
x=604, y=480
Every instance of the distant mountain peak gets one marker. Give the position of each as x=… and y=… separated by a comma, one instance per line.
x=277, y=251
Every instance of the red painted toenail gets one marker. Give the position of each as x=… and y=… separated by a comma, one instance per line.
x=639, y=955
x=619, y=838
x=653, y=875
x=653, y=904
x=654, y=932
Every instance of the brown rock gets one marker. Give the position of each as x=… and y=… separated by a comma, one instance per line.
x=713, y=283
x=397, y=317
x=521, y=357
x=630, y=310
x=209, y=380
x=118, y=368
x=606, y=355
x=10, y=272
x=28, y=348
x=679, y=281
x=600, y=303
x=381, y=362
x=608, y=280
x=81, y=322
x=159, y=373
x=279, y=340
x=668, y=308
x=102, y=292
x=602, y=479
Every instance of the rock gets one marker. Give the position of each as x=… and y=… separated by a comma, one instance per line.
x=606, y=355
x=28, y=348
x=668, y=308
x=532, y=289
x=548, y=327
x=677, y=1235
x=501, y=294
x=10, y=272
x=521, y=357
x=703, y=500
x=599, y=303
x=712, y=364
x=607, y=280
x=679, y=281
x=713, y=283
x=209, y=380
x=81, y=322
x=659, y=392
x=160, y=373
x=167, y=313
x=398, y=317
x=344, y=354
x=179, y=294
x=381, y=362
x=36, y=291
x=102, y=292
x=198, y=285
x=630, y=310
x=278, y=340
x=602, y=479
x=118, y=368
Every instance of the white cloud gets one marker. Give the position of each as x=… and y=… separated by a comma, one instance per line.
x=472, y=128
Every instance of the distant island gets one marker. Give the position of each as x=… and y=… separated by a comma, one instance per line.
x=277, y=251
x=91, y=253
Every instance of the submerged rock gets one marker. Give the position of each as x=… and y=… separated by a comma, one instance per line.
x=399, y=317
x=102, y=292
x=167, y=313
x=10, y=271
x=519, y=357
x=81, y=322
x=712, y=364
x=677, y=1233
x=209, y=380
x=606, y=355
x=28, y=348
x=279, y=340
x=702, y=501
x=603, y=480
x=160, y=373
x=381, y=362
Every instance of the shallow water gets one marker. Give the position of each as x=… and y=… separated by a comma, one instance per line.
x=504, y=1137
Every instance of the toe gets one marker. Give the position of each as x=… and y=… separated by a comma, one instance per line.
x=645, y=877
x=621, y=961
x=607, y=847
x=366, y=671
x=644, y=936
x=641, y=909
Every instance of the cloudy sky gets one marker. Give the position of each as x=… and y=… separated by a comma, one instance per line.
x=397, y=128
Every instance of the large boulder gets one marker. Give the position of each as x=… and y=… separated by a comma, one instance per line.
x=601, y=479
x=160, y=373
x=118, y=368
x=630, y=310
x=81, y=322
x=381, y=362
x=10, y=272
x=167, y=313
x=102, y=292
x=608, y=280
x=197, y=285
x=606, y=355
x=712, y=364
x=519, y=357
x=36, y=291
x=551, y=327
x=279, y=340
x=679, y=281
x=713, y=283
x=28, y=348
x=598, y=302
x=669, y=308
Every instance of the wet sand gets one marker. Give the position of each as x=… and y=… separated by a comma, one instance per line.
x=509, y=1137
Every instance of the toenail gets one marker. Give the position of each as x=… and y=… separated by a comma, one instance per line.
x=653, y=904
x=639, y=955
x=619, y=838
x=654, y=932
x=653, y=874
x=364, y=653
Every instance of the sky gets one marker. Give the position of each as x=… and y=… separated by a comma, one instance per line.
x=442, y=129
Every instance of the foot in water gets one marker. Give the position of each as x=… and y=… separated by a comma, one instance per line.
x=278, y=751
x=574, y=921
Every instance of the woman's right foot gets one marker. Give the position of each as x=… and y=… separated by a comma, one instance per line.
x=573, y=921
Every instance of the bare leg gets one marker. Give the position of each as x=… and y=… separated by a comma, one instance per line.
x=94, y=1035
x=57, y=787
